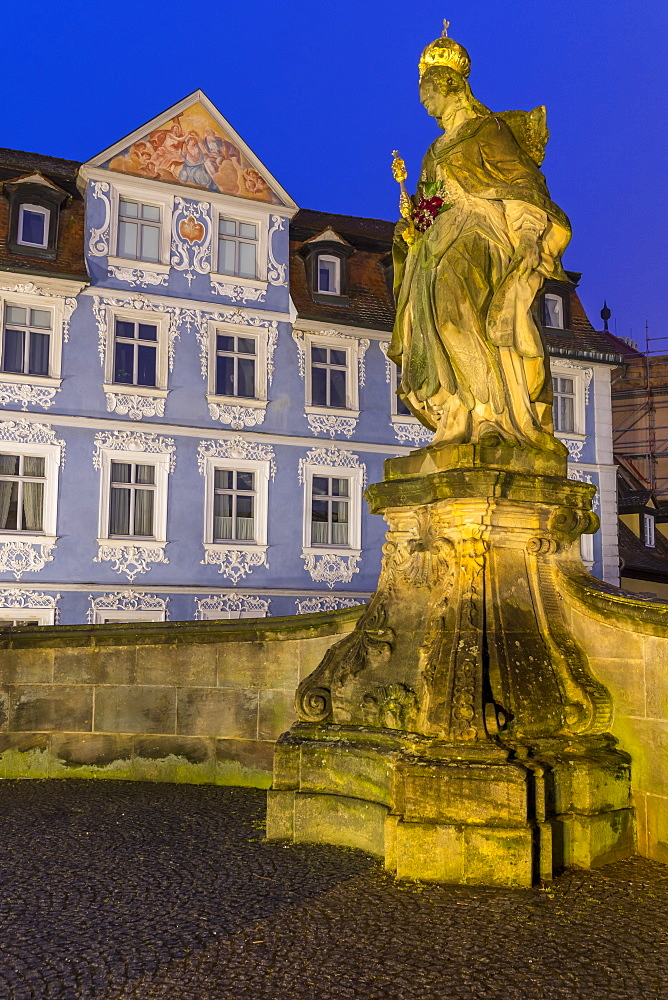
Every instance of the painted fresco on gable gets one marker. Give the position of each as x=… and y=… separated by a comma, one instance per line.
x=191, y=148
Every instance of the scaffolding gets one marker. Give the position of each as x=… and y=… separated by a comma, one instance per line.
x=640, y=415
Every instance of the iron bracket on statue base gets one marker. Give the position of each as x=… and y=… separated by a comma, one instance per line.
x=458, y=731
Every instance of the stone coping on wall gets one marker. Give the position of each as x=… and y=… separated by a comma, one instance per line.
x=305, y=626
x=622, y=609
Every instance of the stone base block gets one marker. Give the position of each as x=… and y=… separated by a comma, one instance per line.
x=587, y=841
x=469, y=855
x=441, y=812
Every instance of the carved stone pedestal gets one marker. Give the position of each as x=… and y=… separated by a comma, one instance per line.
x=458, y=731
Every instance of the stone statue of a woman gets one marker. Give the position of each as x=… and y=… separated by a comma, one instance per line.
x=481, y=236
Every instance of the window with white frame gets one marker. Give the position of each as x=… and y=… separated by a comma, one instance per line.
x=328, y=271
x=208, y=616
x=238, y=248
x=26, y=340
x=236, y=497
x=19, y=622
x=133, y=499
x=234, y=505
x=139, y=231
x=135, y=352
x=127, y=617
x=332, y=509
x=236, y=365
x=33, y=227
x=554, y=311
x=564, y=405
x=28, y=489
x=329, y=368
x=587, y=549
x=22, y=486
x=648, y=530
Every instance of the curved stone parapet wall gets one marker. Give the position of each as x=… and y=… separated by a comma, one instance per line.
x=626, y=639
x=175, y=701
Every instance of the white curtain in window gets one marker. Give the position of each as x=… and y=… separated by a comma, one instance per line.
x=222, y=528
x=319, y=532
x=7, y=488
x=339, y=534
x=33, y=506
x=245, y=530
x=143, y=512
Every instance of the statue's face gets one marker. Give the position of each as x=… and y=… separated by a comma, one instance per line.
x=433, y=100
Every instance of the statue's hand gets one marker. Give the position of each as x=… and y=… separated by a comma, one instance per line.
x=527, y=253
x=399, y=230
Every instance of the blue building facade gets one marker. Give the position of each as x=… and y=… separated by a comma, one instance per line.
x=195, y=390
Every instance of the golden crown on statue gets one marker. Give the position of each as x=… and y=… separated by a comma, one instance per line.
x=446, y=52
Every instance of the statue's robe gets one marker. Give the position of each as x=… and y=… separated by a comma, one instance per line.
x=472, y=357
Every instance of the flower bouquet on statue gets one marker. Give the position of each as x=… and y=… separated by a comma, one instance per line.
x=430, y=205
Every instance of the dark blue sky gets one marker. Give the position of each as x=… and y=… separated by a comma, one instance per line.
x=324, y=92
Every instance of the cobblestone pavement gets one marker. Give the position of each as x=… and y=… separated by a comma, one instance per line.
x=113, y=891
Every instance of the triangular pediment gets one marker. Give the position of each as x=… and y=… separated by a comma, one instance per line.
x=36, y=179
x=328, y=236
x=192, y=144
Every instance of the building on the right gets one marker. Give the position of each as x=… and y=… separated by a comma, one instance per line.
x=582, y=361
x=639, y=392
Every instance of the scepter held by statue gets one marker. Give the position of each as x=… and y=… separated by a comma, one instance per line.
x=405, y=204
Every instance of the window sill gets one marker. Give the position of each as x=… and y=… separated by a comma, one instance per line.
x=122, y=542
x=242, y=546
x=37, y=253
x=135, y=390
x=244, y=282
x=333, y=550
x=47, y=380
x=570, y=435
x=139, y=265
x=256, y=404
x=408, y=418
x=330, y=299
x=32, y=537
x=335, y=411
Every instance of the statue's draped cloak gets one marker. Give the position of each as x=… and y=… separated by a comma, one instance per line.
x=471, y=354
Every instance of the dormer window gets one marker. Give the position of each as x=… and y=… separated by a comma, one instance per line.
x=648, y=530
x=33, y=216
x=326, y=259
x=554, y=311
x=33, y=228
x=329, y=274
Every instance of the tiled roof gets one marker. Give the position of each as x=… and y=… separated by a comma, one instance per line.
x=69, y=262
x=370, y=302
x=637, y=558
x=367, y=234
x=16, y=163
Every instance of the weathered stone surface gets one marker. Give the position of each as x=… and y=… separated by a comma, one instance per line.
x=95, y=665
x=338, y=819
x=91, y=748
x=49, y=707
x=29, y=666
x=193, y=749
x=277, y=713
x=193, y=664
x=229, y=712
x=124, y=709
x=249, y=753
